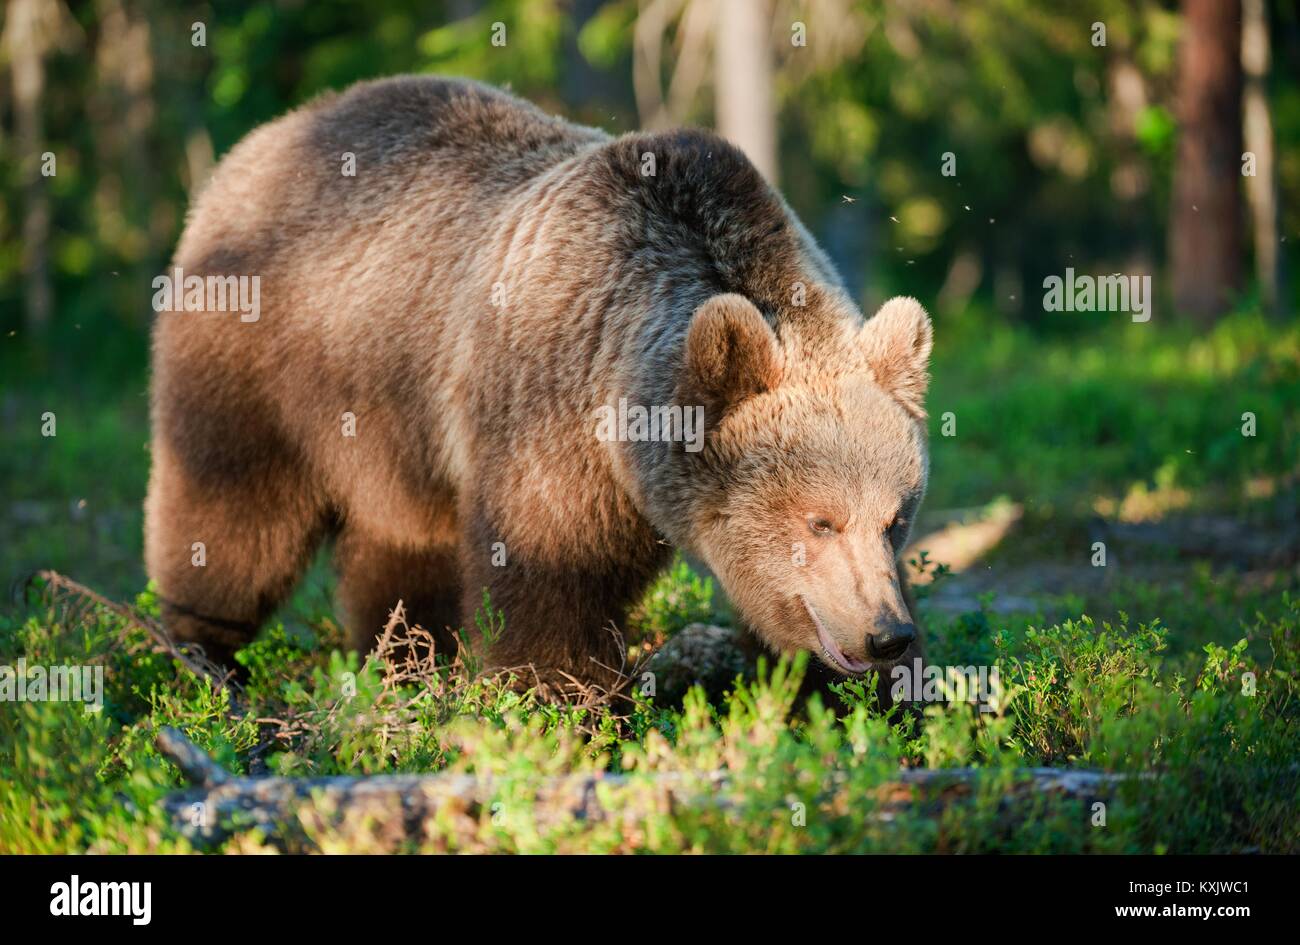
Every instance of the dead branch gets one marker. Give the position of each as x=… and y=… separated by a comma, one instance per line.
x=76, y=599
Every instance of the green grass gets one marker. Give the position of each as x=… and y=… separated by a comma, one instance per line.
x=1058, y=422
x=801, y=778
x=1177, y=667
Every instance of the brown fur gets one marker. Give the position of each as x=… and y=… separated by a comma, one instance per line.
x=474, y=422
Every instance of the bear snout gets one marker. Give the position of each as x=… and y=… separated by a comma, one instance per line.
x=892, y=641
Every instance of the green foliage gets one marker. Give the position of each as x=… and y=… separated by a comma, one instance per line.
x=1106, y=411
x=1210, y=768
x=1066, y=679
x=933, y=572
x=268, y=657
x=677, y=598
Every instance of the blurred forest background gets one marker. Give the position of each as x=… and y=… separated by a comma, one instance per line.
x=960, y=152
x=1117, y=157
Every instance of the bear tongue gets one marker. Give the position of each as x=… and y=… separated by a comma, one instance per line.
x=829, y=647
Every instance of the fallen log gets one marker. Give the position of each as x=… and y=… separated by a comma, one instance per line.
x=398, y=806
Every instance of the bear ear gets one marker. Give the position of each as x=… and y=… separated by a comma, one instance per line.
x=731, y=353
x=897, y=343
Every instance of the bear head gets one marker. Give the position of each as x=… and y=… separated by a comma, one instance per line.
x=813, y=467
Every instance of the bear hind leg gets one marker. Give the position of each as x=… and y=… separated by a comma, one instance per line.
x=223, y=559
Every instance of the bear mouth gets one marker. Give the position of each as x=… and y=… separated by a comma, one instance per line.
x=832, y=655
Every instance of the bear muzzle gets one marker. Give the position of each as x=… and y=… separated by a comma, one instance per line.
x=891, y=642
x=831, y=653
x=884, y=644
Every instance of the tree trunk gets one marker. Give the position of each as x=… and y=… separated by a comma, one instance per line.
x=1261, y=189
x=746, y=109
x=25, y=44
x=1205, y=231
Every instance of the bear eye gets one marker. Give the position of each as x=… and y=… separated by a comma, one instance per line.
x=820, y=525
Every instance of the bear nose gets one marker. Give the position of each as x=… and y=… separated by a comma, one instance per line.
x=890, y=643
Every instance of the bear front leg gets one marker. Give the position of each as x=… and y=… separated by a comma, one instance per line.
x=374, y=575
x=562, y=605
x=560, y=627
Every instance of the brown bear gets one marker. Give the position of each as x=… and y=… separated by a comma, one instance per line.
x=465, y=311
